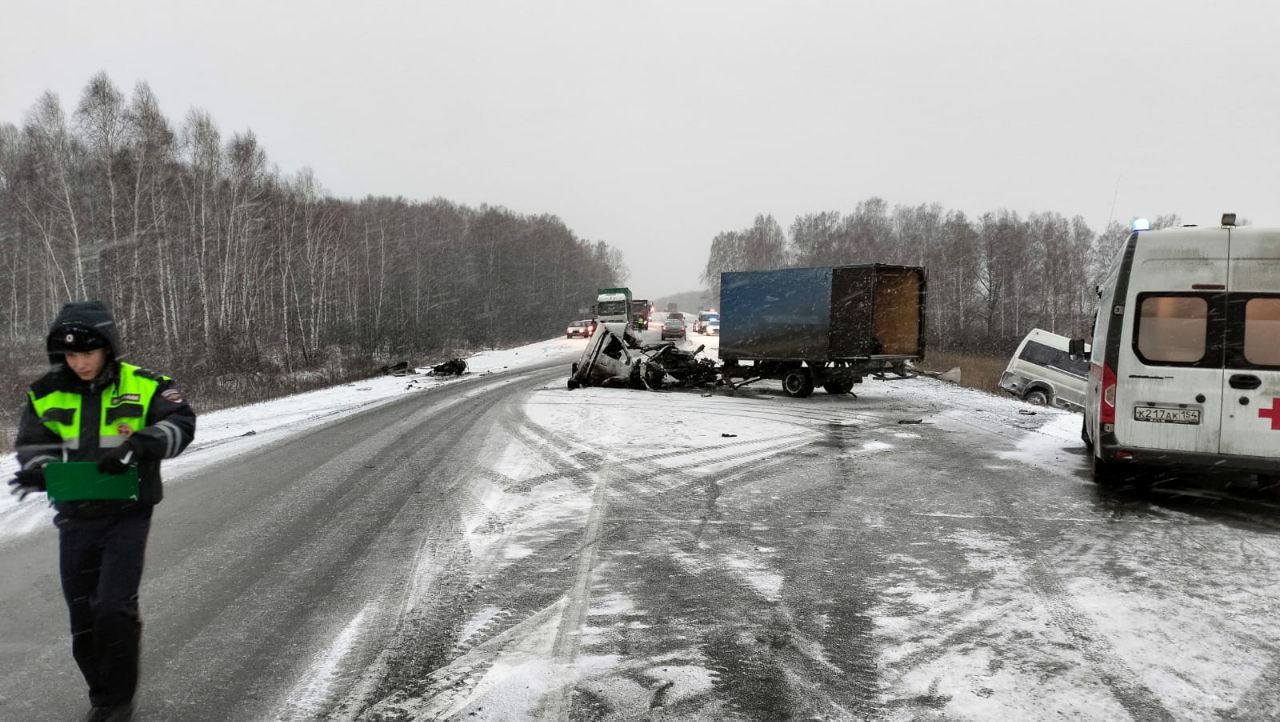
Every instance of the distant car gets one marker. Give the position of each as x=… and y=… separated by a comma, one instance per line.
x=675, y=314
x=708, y=323
x=580, y=329
x=673, y=328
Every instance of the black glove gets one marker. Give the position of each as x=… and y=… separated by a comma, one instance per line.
x=27, y=481
x=117, y=460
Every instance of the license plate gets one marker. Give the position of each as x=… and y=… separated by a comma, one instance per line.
x=1163, y=415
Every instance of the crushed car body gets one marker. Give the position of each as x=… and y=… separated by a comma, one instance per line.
x=616, y=358
x=452, y=367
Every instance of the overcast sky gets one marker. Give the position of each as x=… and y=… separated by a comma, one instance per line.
x=655, y=125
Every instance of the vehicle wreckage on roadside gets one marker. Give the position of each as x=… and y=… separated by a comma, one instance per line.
x=615, y=357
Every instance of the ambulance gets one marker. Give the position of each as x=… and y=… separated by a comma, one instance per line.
x=1185, y=366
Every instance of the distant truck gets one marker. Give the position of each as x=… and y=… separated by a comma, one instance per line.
x=827, y=326
x=640, y=313
x=672, y=308
x=613, y=305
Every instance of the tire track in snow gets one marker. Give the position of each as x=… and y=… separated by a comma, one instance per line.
x=739, y=660
x=440, y=568
x=455, y=681
x=1113, y=672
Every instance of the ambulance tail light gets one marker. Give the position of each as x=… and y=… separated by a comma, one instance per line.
x=1107, y=406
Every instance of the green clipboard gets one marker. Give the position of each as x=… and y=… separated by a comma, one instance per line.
x=81, y=481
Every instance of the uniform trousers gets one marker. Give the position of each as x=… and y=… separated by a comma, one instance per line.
x=100, y=560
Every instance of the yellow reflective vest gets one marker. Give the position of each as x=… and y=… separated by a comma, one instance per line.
x=121, y=410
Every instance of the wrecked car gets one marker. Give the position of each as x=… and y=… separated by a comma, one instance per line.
x=616, y=358
x=452, y=367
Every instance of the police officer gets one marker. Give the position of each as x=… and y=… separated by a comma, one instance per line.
x=92, y=406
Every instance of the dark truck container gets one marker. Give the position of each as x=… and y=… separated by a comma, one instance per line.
x=824, y=327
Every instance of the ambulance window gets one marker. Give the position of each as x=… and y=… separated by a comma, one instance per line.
x=1262, y=331
x=1172, y=329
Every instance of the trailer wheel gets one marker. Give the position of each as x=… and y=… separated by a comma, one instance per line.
x=797, y=383
x=838, y=388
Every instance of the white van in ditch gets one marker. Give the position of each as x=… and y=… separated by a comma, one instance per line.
x=1185, y=368
x=1043, y=371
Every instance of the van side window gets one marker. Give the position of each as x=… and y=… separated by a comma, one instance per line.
x=1172, y=329
x=1262, y=331
x=1042, y=355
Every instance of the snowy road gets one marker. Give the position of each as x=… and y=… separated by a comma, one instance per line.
x=503, y=548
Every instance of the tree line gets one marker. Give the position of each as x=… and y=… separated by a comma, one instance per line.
x=219, y=266
x=990, y=279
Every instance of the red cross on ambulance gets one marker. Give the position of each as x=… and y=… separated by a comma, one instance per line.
x=1272, y=413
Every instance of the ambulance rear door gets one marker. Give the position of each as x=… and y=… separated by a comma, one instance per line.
x=1251, y=384
x=1170, y=368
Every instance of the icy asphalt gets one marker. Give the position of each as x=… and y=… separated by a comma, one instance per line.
x=502, y=548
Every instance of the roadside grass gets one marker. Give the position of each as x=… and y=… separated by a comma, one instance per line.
x=976, y=371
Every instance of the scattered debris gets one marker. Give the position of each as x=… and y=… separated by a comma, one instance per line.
x=399, y=369
x=1026, y=412
x=910, y=421
x=452, y=367
x=953, y=375
x=250, y=432
x=729, y=436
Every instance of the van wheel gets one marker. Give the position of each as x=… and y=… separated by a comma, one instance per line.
x=1105, y=473
x=1119, y=476
x=797, y=383
x=1036, y=397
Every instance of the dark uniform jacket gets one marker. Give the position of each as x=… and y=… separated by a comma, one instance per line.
x=159, y=430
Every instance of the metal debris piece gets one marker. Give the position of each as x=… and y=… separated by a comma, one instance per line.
x=452, y=367
x=399, y=369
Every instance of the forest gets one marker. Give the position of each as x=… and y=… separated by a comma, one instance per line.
x=990, y=279
x=242, y=281
x=245, y=282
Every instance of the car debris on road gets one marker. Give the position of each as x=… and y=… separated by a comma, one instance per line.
x=616, y=358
